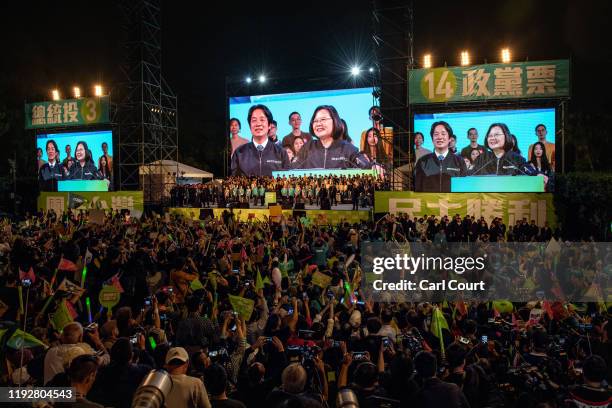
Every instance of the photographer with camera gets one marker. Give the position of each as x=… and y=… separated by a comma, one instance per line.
x=293, y=388
x=366, y=377
x=71, y=337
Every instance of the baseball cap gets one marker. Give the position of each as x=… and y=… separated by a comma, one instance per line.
x=177, y=353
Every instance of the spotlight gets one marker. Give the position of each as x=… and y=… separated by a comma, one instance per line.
x=355, y=71
x=262, y=78
x=248, y=80
x=427, y=61
x=76, y=91
x=465, y=58
x=371, y=69
x=505, y=55
x=55, y=95
x=98, y=90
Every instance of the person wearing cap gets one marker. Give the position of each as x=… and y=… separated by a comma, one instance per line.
x=186, y=391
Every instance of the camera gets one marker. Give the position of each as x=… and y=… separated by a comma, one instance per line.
x=359, y=355
x=306, y=334
x=218, y=356
x=26, y=283
x=134, y=339
x=90, y=327
x=147, y=301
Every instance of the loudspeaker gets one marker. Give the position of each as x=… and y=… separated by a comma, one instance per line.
x=243, y=205
x=299, y=206
x=206, y=212
x=299, y=213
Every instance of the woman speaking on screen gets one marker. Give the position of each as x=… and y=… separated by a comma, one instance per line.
x=329, y=150
x=84, y=168
x=498, y=157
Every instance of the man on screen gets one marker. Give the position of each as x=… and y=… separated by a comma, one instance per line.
x=472, y=135
x=272, y=133
x=541, y=133
x=295, y=121
x=52, y=171
x=68, y=160
x=433, y=171
x=259, y=157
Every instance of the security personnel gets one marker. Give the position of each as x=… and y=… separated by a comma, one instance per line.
x=259, y=157
x=329, y=151
x=433, y=171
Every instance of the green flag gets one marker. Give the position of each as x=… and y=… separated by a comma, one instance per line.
x=259, y=284
x=20, y=338
x=243, y=306
x=196, y=284
x=61, y=317
x=438, y=322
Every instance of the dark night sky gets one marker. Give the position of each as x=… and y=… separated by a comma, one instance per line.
x=73, y=42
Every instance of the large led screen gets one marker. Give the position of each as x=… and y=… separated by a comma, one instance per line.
x=485, y=151
x=75, y=161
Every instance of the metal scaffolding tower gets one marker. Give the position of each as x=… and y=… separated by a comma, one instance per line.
x=393, y=39
x=147, y=108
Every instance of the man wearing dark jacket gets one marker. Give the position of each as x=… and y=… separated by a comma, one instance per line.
x=259, y=157
x=433, y=171
x=435, y=392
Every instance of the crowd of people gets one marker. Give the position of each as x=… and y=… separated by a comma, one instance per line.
x=323, y=191
x=272, y=314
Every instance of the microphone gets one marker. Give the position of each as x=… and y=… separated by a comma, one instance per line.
x=517, y=166
x=484, y=165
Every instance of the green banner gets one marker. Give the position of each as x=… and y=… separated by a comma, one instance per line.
x=509, y=206
x=67, y=112
x=533, y=79
x=128, y=200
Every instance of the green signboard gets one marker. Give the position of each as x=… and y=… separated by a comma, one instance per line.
x=67, y=112
x=510, y=207
x=117, y=200
x=537, y=79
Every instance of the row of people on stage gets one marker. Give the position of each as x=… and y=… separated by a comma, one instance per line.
x=79, y=167
x=339, y=189
x=499, y=155
x=327, y=145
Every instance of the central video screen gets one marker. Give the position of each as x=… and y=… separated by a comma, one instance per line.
x=322, y=130
x=485, y=151
x=75, y=161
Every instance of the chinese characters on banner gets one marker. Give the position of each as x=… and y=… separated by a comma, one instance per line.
x=117, y=200
x=540, y=79
x=510, y=207
x=69, y=112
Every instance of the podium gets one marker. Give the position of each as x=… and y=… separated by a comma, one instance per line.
x=82, y=185
x=498, y=184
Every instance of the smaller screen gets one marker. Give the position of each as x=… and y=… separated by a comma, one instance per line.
x=485, y=151
x=75, y=161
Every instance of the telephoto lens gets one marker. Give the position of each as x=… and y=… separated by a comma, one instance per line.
x=346, y=398
x=153, y=390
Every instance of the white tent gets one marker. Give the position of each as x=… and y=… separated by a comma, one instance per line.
x=159, y=177
x=174, y=169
